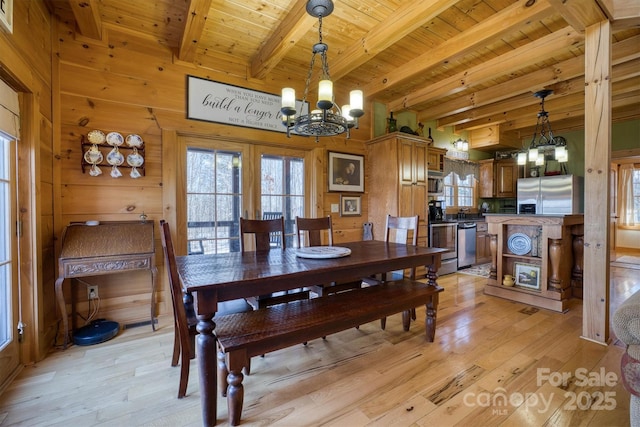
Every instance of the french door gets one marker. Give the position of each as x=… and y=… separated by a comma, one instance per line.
x=225, y=181
x=9, y=315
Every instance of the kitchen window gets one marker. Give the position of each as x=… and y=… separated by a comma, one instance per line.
x=459, y=193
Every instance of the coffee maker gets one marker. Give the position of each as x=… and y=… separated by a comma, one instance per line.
x=435, y=210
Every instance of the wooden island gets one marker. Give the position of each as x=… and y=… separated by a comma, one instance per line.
x=543, y=253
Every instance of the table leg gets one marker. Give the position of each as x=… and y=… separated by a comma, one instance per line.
x=154, y=274
x=430, y=319
x=206, y=351
x=63, y=309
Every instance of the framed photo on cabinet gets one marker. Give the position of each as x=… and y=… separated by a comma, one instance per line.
x=527, y=275
x=346, y=172
x=350, y=205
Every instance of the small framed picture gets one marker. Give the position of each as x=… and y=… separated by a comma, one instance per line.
x=350, y=205
x=527, y=275
x=346, y=172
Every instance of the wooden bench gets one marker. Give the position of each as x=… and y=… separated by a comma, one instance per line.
x=244, y=335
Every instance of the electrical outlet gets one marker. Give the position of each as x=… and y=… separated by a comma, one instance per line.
x=92, y=292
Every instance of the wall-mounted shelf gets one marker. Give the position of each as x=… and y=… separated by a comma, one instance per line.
x=105, y=148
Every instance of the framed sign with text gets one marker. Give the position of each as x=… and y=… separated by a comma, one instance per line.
x=217, y=102
x=6, y=15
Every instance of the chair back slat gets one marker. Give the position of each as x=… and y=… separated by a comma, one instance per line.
x=311, y=229
x=177, y=297
x=263, y=231
x=403, y=230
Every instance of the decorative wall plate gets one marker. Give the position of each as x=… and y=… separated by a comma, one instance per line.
x=134, y=141
x=115, y=138
x=93, y=156
x=135, y=159
x=519, y=243
x=115, y=157
x=323, y=252
x=96, y=137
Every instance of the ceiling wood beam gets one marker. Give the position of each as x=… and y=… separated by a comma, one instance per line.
x=625, y=55
x=569, y=113
x=579, y=13
x=626, y=13
x=506, y=64
x=291, y=29
x=87, y=16
x=625, y=60
x=398, y=25
x=513, y=17
x=195, y=20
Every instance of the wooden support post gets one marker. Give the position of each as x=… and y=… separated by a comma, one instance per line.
x=595, y=318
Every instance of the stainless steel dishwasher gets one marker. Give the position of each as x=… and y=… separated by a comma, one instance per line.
x=466, y=244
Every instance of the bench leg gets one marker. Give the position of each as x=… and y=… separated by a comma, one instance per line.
x=235, y=389
x=223, y=373
x=406, y=320
x=430, y=319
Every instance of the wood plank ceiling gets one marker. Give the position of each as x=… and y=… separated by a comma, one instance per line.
x=463, y=63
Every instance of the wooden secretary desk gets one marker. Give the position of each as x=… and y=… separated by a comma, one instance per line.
x=106, y=248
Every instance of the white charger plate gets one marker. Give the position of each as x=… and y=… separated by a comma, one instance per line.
x=519, y=243
x=323, y=252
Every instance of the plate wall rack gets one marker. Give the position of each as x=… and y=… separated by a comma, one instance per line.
x=105, y=148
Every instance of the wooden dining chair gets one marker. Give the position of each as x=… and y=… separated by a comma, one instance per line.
x=309, y=232
x=262, y=231
x=184, y=317
x=403, y=230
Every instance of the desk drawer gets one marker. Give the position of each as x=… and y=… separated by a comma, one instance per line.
x=108, y=265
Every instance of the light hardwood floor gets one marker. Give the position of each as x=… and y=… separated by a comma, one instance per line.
x=485, y=348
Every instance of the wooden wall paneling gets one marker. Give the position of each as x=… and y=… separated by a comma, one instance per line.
x=87, y=199
x=597, y=135
x=32, y=38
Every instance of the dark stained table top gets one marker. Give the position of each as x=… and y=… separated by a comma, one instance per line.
x=237, y=275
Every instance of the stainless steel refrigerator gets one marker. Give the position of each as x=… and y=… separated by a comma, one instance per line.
x=552, y=195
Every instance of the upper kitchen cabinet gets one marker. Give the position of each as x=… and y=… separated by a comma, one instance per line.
x=490, y=138
x=435, y=160
x=397, y=180
x=498, y=178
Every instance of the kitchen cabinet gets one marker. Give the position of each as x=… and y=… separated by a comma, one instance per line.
x=483, y=241
x=397, y=181
x=543, y=253
x=498, y=178
x=435, y=160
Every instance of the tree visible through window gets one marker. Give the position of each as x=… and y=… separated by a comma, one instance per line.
x=214, y=202
x=282, y=190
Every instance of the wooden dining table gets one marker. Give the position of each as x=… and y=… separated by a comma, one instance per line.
x=211, y=279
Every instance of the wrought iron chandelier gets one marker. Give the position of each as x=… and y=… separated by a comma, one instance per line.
x=328, y=119
x=543, y=139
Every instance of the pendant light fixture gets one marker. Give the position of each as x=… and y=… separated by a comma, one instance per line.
x=543, y=139
x=328, y=119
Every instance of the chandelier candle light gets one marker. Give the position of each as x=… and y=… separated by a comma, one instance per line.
x=324, y=121
x=543, y=138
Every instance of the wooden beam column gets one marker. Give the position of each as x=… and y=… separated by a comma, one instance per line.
x=595, y=318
